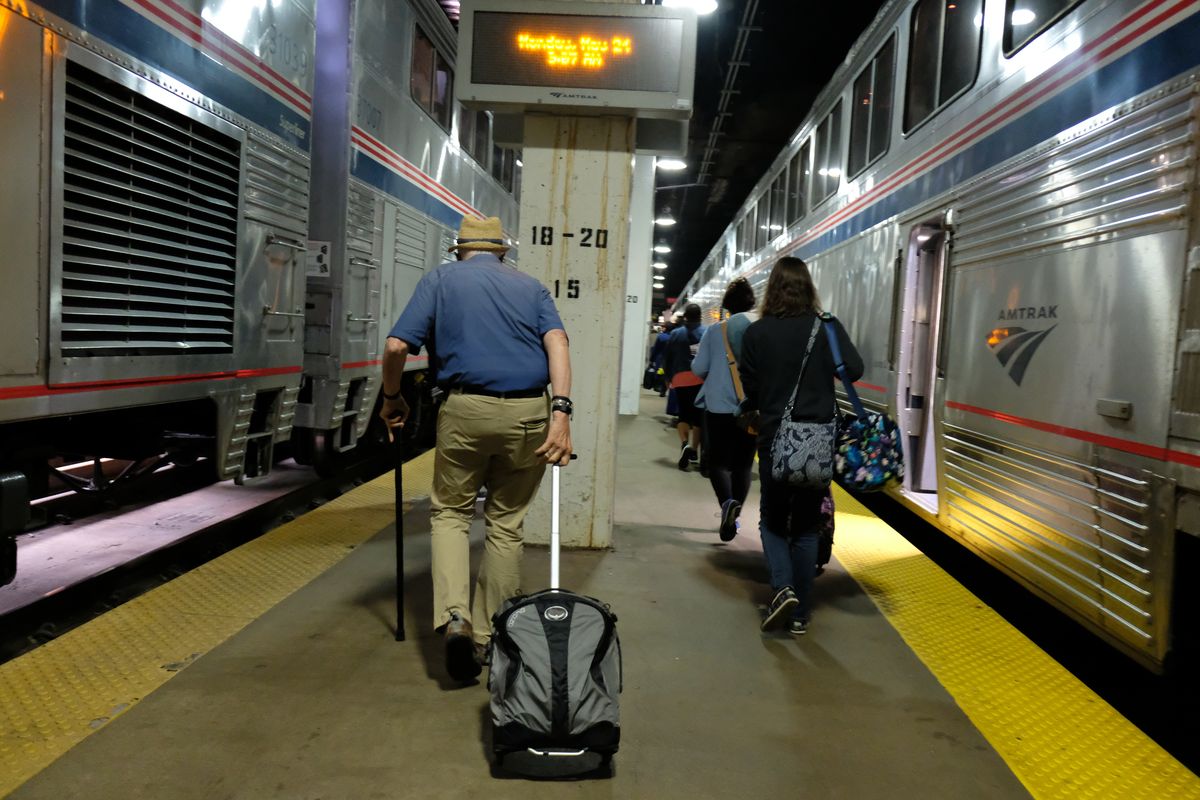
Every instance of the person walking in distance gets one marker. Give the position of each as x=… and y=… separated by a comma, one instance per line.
x=730, y=449
x=681, y=349
x=773, y=354
x=496, y=341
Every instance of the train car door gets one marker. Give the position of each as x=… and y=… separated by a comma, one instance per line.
x=923, y=286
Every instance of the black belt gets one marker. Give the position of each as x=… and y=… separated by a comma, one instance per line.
x=513, y=395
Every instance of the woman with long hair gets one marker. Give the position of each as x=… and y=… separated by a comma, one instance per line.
x=730, y=449
x=773, y=350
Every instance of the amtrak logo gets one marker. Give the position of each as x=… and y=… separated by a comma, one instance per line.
x=556, y=613
x=1014, y=347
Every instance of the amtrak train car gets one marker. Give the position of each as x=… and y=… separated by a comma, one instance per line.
x=998, y=199
x=154, y=156
x=395, y=170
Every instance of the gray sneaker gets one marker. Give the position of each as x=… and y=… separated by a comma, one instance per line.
x=780, y=610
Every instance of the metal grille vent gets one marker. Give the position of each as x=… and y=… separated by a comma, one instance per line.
x=150, y=218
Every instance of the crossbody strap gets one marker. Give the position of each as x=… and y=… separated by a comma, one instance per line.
x=787, y=412
x=733, y=369
x=839, y=365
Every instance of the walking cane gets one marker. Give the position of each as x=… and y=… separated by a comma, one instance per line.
x=398, y=454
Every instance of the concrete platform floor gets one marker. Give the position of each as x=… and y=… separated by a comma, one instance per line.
x=315, y=699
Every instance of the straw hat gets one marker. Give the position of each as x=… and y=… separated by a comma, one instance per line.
x=480, y=234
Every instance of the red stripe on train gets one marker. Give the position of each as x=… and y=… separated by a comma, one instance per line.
x=1126, y=445
x=18, y=392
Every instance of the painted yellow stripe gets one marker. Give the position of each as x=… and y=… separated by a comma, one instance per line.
x=1058, y=737
x=55, y=696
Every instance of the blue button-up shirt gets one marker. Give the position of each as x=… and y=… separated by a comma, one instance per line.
x=483, y=322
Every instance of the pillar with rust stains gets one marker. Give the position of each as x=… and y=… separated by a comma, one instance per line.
x=576, y=185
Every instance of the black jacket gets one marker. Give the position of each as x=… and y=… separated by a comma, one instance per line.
x=772, y=352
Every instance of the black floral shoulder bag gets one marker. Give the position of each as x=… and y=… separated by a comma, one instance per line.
x=802, y=452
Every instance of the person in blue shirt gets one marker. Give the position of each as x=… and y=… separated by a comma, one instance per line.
x=681, y=349
x=495, y=341
x=656, y=358
x=730, y=449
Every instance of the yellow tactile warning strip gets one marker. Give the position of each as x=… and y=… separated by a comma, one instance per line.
x=53, y=697
x=1058, y=737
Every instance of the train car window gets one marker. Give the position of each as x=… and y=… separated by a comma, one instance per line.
x=960, y=47
x=798, y=184
x=860, y=120
x=881, y=103
x=924, y=51
x=943, y=55
x=483, y=137
x=779, y=204
x=871, y=114
x=466, y=130
x=443, y=91
x=829, y=157
x=421, y=77
x=1025, y=19
x=763, y=229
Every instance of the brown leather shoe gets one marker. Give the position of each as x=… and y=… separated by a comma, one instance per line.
x=460, y=650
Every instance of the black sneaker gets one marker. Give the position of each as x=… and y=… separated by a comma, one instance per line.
x=729, y=514
x=686, y=456
x=798, y=627
x=780, y=609
x=460, y=650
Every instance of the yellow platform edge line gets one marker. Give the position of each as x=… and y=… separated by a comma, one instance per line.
x=1059, y=738
x=53, y=697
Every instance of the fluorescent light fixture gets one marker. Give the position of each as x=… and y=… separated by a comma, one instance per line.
x=665, y=221
x=661, y=248
x=701, y=7
x=670, y=164
x=776, y=227
x=1022, y=16
x=660, y=265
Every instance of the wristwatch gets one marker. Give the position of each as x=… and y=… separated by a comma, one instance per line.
x=563, y=404
x=387, y=396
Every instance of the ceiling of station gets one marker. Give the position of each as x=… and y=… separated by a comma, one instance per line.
x=782, y=52
x=790, y=51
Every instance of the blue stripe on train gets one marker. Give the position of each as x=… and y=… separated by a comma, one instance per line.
x=370, y=171
x=123, y=28
x=1166, y=56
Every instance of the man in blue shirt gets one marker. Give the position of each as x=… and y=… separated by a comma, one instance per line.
x=495, y=341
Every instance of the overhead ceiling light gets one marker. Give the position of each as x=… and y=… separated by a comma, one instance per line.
x=660, y=265
x=699, y=6
x=670, y=164
x=520, y=163
x=1022, y=16
x=661, y=248
x=665, y=219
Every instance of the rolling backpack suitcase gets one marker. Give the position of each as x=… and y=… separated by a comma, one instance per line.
x=555, y=670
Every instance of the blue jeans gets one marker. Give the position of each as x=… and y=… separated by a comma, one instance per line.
x=789, y=525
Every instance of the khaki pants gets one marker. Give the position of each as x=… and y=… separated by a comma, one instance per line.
x=483, y=441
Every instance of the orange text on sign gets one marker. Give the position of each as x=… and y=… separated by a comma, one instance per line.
x=583, y=51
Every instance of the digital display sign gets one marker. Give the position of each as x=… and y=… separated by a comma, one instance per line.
x=576, y=51
x=524, y=55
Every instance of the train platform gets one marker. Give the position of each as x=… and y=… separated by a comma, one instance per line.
x=272, y=672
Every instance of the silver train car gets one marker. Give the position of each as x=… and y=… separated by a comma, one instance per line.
x=155, y=157
x=395, y=169
x=998, y=199
x=171, y=291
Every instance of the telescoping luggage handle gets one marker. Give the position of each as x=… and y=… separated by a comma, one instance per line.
x=554, y=543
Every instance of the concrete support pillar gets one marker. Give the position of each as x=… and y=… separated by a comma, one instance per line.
x=638, y=278
x=577, y=184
